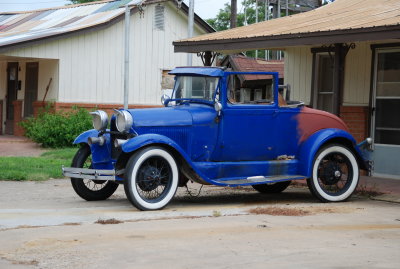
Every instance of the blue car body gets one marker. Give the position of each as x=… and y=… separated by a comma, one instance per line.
x=241, y=144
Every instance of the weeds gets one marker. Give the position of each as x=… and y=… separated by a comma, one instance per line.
x=368, y=190
x=217, y=213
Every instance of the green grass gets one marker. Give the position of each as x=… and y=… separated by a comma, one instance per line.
x=47, y=166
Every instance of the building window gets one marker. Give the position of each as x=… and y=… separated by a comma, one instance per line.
x=387, y=97
x=159, y=18
x=324, y=93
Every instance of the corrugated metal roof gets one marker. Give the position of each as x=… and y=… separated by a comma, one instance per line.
x=341, y=15
x=247, y=64
x=26, y=26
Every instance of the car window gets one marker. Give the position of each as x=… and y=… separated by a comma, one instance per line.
x=195, y=87
x=250, y=89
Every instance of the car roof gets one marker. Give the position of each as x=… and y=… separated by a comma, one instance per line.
x=198, y=71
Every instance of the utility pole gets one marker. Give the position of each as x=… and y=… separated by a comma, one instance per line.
x=256, y=22
x=126, y=62
x=233, y=14
x=266, y=17
x=190, y=28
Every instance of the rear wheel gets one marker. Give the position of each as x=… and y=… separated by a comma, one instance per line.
x=152, y=178
x=272, y=188
x=335, y=174
x=90, y=190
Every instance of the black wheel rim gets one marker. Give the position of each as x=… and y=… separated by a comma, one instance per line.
x=154, y=179
x=335, y=174
x=93, y=185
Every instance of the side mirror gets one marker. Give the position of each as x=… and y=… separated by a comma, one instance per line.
x=218, y=107
x=164, y=99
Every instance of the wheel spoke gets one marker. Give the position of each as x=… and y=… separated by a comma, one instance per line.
x=154, y=177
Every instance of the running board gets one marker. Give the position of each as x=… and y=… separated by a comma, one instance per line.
x=256, y=180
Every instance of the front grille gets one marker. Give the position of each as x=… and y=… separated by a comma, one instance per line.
x=114, y=134
x=179, y=134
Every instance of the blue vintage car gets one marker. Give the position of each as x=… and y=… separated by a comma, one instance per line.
x=222, y=128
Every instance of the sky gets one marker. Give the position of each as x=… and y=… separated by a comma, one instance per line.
x=204, y=8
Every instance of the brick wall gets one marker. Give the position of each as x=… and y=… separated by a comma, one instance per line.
x=58, y=106
x=1, y=117
x=18, y=130
x=357, y=119
x=108, y=108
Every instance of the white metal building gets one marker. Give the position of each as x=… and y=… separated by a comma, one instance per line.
x=80, y=49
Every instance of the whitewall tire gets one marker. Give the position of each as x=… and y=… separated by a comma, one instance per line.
x=335, y=174
x=151, y=178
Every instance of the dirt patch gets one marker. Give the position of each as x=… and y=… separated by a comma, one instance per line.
x=72, y=223
x=31, y=262
x=278, y=211
x=302, y=211
x=108, y=221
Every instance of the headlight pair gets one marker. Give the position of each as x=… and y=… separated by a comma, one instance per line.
x=124, y=120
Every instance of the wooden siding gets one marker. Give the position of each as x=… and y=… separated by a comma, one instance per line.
x=298, y=72
x=357, y=78
x=90, y=66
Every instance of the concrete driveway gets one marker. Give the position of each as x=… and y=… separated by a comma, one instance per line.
x=46, y=225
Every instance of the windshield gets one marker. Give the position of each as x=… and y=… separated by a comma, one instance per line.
x=195, y=87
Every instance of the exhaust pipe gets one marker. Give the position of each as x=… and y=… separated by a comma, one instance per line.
x=119, y=142
x=96, y=140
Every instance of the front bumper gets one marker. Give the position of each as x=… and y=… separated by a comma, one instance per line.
x=92, y=174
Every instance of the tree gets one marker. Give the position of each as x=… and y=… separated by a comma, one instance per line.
x=248, y=16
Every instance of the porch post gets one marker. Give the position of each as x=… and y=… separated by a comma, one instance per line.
x=207, y=58
x=18, y=130
x=338, y=77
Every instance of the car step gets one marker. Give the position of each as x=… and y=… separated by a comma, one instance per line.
x=257, y=180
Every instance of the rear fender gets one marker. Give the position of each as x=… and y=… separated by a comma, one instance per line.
x=309, y=148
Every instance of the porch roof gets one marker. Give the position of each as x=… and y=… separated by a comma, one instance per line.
x=338, y=22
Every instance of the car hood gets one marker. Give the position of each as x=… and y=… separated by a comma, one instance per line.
x=166, y=116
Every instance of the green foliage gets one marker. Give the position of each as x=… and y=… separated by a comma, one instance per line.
x=82, y=1
x=48, y=165
x=59, y=129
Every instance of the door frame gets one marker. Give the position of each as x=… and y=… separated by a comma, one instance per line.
x=376, y=48
x=26, y=104
x=373, y=87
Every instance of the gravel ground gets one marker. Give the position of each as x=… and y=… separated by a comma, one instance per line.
x=46, y=225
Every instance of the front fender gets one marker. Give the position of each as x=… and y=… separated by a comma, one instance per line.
x=83, y=137
x=101, y=155
x=309, y=148
x=148, y=139
x=151, y=139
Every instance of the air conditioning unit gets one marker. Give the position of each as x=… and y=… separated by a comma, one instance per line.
x=245, y=95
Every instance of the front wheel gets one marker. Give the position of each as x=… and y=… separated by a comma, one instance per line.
x=90, y=190
x=151, y=178
x=335, y=174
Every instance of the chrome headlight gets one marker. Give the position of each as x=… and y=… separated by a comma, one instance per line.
x=100, y=120
x=124, y=121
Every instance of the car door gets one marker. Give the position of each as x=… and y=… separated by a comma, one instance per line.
x=247, y=129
